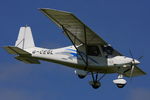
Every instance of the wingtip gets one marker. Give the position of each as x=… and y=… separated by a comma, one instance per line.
x=46, y=9
x=42, y=9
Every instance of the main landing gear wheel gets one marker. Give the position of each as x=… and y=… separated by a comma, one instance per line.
x=95, y=84
x=81, y=76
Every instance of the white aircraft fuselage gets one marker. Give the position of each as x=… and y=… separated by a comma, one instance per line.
x=68, y=56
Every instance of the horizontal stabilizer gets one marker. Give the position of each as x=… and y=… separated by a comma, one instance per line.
x=16, y=50
x=27, y=60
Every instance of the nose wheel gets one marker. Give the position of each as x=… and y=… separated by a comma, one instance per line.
x=120, y=85
x=120, y=82
x=81, y=76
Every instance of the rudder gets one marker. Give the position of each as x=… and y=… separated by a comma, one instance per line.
x=25, y=38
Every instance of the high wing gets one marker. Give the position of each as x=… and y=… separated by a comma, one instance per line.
x=73, y=27
x=79, y=33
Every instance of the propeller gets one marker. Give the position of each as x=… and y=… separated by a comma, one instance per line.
x=132, y=63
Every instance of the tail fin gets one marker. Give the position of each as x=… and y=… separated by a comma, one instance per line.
x=25, y=39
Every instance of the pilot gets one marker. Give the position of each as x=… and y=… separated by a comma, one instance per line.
x=108, y=50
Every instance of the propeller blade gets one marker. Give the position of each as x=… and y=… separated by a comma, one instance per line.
x=130, y=53
x=132, y=64
x=140, y=57
x=132, y=69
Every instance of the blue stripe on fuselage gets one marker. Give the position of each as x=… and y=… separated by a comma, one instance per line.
x=71, y=50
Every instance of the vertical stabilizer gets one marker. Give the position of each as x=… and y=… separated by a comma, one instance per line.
x=25, y=39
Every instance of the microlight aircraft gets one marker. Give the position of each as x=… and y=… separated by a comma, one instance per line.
x=89, y=54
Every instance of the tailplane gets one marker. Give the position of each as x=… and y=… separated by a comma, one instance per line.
x=25, y=38
x=24, y=41
x=22, y=55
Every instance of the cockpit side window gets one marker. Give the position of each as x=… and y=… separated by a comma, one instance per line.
x=93, y=51
x=108, y=49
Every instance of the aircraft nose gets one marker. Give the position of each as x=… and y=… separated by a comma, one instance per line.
x=136, y=61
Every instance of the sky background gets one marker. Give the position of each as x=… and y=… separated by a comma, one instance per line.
x=125, y=24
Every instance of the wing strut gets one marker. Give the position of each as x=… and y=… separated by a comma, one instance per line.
x=85, y=48
x=73, y=42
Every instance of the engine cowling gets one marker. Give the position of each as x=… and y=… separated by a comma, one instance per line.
x=81, y=73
